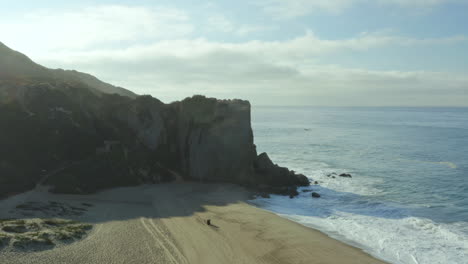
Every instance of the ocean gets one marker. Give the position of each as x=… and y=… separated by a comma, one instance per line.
x=407, y=200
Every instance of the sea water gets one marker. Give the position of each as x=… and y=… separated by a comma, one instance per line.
x=407, y=200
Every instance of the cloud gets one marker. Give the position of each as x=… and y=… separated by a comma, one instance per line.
x=107, y=26
x=92, y=26
x=269, y=72
x=289, y=51
x=285, y=9
x=158, y=51
x=220, y=23
x=298, y=8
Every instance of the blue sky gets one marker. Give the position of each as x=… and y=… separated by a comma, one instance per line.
x=282, y=52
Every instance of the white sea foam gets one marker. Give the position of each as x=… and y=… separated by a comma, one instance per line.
x=347, y=212
x=408, y=240
x=360, y=184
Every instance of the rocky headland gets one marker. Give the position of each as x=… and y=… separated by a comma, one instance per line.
x=79, y=135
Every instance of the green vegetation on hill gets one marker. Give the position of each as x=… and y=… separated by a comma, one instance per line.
x=39, y=234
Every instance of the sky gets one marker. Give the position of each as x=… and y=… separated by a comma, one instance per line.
x=271, y=52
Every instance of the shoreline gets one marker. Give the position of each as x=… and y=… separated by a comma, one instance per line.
x=167, y=224
x=334, y=236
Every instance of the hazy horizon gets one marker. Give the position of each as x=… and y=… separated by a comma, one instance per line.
x=361, y=106
x=355, y=53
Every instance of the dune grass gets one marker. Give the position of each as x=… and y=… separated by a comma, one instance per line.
x=38, y=234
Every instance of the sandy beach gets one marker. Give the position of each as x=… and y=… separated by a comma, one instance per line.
x=167, y=224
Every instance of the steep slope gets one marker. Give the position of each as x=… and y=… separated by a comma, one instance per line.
x=18, y=66
x=15, y=64
x=59, y=132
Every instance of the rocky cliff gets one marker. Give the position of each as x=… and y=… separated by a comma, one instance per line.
x=79, y=135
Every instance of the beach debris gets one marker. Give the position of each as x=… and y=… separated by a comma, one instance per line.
x=315, y=195
x=345, y=175
x=208, y=221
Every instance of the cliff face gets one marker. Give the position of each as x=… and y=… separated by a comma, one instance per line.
x=215, y=139
x=206, y=139
x=61, y=132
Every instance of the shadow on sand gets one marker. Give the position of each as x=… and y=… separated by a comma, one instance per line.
x=149, y=201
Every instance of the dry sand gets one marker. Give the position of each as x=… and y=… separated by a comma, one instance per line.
x=166, y=224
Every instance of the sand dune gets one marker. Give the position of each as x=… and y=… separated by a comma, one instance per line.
x=167, y=224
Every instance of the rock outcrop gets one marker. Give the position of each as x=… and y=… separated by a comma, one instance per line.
x=79, y=135
x=275, y=175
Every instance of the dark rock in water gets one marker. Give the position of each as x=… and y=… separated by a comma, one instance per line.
x=291, y=196
x=306, y=191
x=276, y=176
x=293, y=191
x=316, y=182
x=265, y=195
x=333, y=177
x=287, y=190
x=81, y=135
x=346, y=175
x=315, y=195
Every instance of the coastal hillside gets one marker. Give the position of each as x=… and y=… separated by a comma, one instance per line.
x=17, y=66
x=78, y=134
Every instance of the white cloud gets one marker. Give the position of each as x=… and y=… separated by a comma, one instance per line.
x=156, y=51
x=286, y=71
x=88, y=27
x=107, y=26
x=285, y=9
x=291, y=51
x=297, y=8
x=220, y=23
